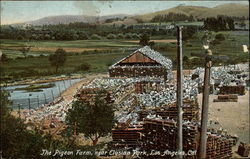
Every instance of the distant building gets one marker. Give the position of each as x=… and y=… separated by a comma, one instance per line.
x=141, y=63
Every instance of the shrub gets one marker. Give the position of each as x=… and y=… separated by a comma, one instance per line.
x=120, y=36
x=95, y=37
x=135, y=36
x=128, y=36
x=111, y=36
x=220, y=37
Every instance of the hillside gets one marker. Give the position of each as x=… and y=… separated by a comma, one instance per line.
x=231, y=9
x=66, y=19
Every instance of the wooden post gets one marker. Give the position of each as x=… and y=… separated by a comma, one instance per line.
x=179, y=91
x=205, y=99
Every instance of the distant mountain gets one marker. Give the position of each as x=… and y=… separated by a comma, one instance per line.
x=66, y=19
x=231, y=9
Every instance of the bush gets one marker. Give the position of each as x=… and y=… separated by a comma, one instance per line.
x=111, y=36
x=135, y=36
x=120, y=36
x=41, y=55
x=220, y=37
x=95, y=37
x=128, y=36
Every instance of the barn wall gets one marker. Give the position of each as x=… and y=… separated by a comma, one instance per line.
x=138, y=71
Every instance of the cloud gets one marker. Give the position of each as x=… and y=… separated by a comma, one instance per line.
x=90, y=8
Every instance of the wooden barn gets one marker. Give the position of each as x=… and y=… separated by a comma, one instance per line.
x=141, y=63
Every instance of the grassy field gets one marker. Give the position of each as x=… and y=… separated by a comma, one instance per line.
x=100, y=60
x=11, y=47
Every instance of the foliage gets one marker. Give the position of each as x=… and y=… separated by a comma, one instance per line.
x=94, y=120
x=188, y=32
x=144, y=40
x=172, y=17
x=95, y=37
x=58, y=58
x=120, y=36
x=220, y=23
x=220, y=37
x=111, y=36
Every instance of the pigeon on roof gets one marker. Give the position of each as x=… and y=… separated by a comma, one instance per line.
x=152, y=54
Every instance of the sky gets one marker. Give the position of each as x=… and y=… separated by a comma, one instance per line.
x=22, y=11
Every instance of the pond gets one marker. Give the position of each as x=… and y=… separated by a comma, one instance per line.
x=25, y=99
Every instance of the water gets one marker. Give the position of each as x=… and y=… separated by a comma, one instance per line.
x=25, y=99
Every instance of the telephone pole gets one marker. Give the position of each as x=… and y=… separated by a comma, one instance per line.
x=179, y=91
x=205, y=100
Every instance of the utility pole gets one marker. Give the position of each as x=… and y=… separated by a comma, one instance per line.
x=205, y=100
x=179, y=91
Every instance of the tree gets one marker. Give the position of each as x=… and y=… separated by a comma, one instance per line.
x=188, y=32
x=144, y=40
x=93, y=119
x=58, y=58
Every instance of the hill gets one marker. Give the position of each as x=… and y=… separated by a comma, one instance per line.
x=66, y=19
x=231, y=9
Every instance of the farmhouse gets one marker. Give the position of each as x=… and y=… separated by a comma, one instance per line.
x=141, y=63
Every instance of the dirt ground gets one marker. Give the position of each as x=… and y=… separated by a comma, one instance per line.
x=232, y=116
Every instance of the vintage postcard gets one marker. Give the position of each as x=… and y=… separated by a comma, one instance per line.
x=133, y=79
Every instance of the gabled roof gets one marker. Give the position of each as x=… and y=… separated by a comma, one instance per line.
x=152, y=54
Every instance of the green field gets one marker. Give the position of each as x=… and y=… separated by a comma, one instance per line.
x=105, y=52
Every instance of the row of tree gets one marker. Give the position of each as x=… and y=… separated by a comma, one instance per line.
x=172, y=17
x=219, y=23
x=61, y=34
